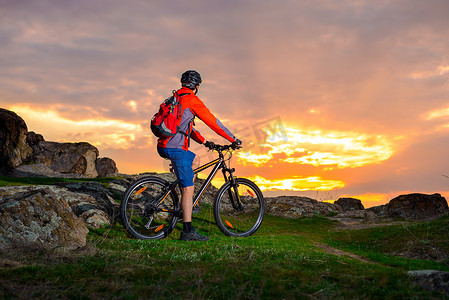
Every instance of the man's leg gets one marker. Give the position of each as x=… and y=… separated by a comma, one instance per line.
x=187, y=195
x=184, y=172
x=195, y=164
x=187, y=202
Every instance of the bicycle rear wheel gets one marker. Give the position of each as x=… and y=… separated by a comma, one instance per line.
x=237, y=217
x=143, y=211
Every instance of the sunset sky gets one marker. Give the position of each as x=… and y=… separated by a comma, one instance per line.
x=330, y=98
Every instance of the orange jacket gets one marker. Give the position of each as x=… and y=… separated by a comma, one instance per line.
x=191, y=107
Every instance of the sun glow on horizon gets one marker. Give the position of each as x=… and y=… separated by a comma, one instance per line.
x=312, y=183
x=107, y=133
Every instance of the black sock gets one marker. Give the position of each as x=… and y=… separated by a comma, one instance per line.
x=187, y=227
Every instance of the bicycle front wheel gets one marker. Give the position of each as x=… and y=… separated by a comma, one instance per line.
x=239, y=209
x=145, y=213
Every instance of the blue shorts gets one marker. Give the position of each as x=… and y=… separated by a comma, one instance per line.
x=181, y=162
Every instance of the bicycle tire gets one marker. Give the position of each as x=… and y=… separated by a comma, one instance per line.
x=239, y=221
x=138, y=215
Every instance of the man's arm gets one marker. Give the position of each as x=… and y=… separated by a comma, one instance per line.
x=196, y=136
x=202, y=112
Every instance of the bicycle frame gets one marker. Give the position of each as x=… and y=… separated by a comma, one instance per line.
x=218, y=163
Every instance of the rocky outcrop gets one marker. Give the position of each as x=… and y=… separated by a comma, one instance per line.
x=14, y=149
x=414, y=207
x=350, y=210
x=38, y=218
x=49, y=216
x=348, y=204
x=18, y=146
x=294, y=207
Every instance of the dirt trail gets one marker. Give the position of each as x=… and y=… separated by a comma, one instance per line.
x=335, y=251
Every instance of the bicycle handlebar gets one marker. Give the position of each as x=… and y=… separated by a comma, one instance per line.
x=212, y=146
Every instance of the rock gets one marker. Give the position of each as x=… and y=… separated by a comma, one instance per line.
x=293, y=207
x=74, y=158
x=92, y=203
x=33, y=138
x=417, y=249
x=37, y=218
x=348, y=204
x=40, y=170
x=118, y=186
x=431, y=280
x=105, y=166
x=102, y=199
x=414, y=207
x=18, y=146
x=356, y=217
x=13, y=147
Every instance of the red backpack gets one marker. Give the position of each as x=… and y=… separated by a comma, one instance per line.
x=165, y=123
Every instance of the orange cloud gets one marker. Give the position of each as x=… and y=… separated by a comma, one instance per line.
x=321, y=147
x=438, y=113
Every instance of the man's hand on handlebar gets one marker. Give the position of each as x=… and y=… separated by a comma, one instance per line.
x=236, y=144
x=212, y=146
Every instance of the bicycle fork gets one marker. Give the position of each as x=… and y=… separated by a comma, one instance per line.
x=234, y=197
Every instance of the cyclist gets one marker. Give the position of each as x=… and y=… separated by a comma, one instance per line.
x=176, y=148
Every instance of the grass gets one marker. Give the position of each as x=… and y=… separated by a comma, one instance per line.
x=427, y=243
x=280, y=261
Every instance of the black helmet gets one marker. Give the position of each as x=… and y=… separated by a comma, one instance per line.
x=191, y=79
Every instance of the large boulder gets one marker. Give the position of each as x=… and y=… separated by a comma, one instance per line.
x=294, y=206
x=414, y=207
x=33, y=139
x=37, y=218
x=348, y=204
x=105, y=166
x=73, y=158
x=14, y=149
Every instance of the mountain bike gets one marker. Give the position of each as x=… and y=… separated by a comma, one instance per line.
x=150, y=208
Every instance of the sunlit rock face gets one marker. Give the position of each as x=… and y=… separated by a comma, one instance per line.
x=75, y=158
x=14, y=149
x=295, y=207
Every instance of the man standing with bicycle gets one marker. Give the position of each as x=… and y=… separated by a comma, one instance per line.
x=176, y=148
